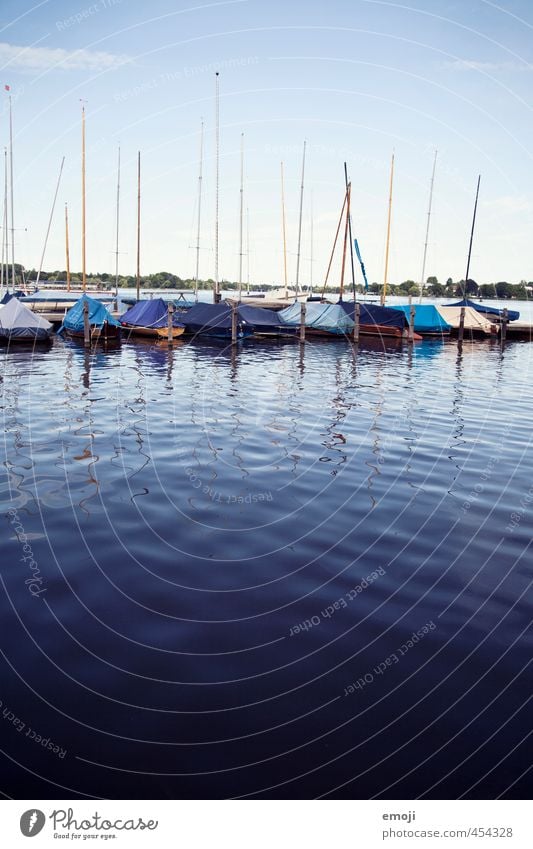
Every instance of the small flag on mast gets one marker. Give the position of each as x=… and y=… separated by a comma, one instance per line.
x=7, y=88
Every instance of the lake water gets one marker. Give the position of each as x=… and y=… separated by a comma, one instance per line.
x=272, y=571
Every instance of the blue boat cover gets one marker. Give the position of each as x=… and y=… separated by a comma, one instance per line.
x=208, y=316
x=98, y=315
x=263, y=319
x=512, y=314
x=372, y=315
x=7, y=297
x=328, y=317
x=151, y=313
x=427, y=318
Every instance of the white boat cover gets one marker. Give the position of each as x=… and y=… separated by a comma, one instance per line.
x=473, y=320
x=17, y=321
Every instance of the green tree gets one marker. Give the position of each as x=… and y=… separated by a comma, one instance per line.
x=504, y=290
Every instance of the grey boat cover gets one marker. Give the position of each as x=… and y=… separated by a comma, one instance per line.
x=19, y=322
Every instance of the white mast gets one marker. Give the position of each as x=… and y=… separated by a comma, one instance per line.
x=117, y=223
x=216, y=293
x=50, y=223
x=241, y=215
x=284, y=232
x=311, y=251
x=200, y=177
x=11, y=186
x=5, y=242
x=247, y=250
x=300, y=222
x=423, y=275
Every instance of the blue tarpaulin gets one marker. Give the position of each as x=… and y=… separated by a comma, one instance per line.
x=373, y=315
x=427, y=318
x=98, y=315
x=263, y=320
x=212, y=320
x=330, y=318
x=151, y=313
x=62, y=296
x=513, y=315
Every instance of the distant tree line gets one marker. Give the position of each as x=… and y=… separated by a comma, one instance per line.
x=166, y=280
x=469, y=288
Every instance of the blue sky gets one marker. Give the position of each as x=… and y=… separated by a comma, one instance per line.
x=356, y=78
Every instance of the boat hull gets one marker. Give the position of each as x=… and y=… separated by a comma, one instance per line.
x=98, y=334
x=152, y=332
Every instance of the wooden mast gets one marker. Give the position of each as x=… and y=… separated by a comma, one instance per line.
x=386, y=276
x=350, y=231
x=346, y=230
x=241, y=215
x=284, y=233
x=200, y=178
x=139, y=225
x=83, y=246
x=67, y=252
x=471, y=237
x=423, y=275
x=297, y=282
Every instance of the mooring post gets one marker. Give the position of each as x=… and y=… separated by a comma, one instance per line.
x=170, y=322
x=86, y=325
x=412, y=312
x=233, y=324
x=461, y=325
x=302, y=321
x=505, y=319
x=357, y=321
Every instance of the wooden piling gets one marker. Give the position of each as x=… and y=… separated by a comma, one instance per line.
x=461, y=325
x=170, y=316
x=86, y=325
x=412, y=312
x=357, y=321
x=233, y=324
x=505, y=320
x=303, y=309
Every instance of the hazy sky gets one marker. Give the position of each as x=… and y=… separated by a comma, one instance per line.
x=355, y=78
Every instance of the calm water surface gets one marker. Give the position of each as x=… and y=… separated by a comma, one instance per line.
x=214, y=562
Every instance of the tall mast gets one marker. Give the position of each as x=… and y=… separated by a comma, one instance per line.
x=386, y=276
x=311, y=249
x=216, y=293
x=247, y=250
x=471, y=236
x=117, y=223
x=241, y=215
x=67, y=252
x=83, y=255
x=346, y=231
x=50, y=222
x=284, y=232
x=350, y=229
x=139, y=225
x=423, y=275
x=5, y=243
x=12, y=192
x=200, y=178
x=300, y=223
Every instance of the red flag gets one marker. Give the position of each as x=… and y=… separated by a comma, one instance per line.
x=7, y=88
